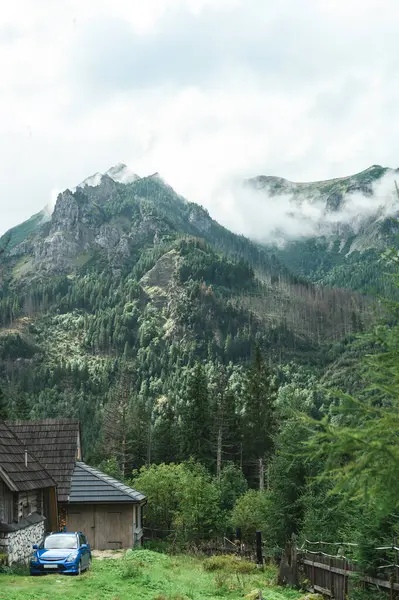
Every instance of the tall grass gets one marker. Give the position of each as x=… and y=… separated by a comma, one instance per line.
x=147, y=575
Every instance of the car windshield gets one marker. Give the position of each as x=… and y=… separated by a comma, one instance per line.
x=59, y=542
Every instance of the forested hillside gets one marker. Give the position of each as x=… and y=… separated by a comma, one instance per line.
x=176, y=341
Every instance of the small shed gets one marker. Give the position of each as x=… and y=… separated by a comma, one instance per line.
x=106, y=510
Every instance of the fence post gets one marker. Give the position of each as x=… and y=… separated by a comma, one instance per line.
x=395, y=543
x=259, y=553
x=239, y=539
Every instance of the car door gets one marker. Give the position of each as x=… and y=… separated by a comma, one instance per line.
x=84, y=551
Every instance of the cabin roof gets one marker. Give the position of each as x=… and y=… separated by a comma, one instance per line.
x=54, y=442
x=91, y=485
x=19, y=475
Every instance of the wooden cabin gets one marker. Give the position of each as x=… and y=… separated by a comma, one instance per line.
x=28, y=499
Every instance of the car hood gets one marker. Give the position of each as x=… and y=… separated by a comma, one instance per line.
x=54, y=554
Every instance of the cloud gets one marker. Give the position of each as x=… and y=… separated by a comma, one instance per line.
x=202, y=91
x=271, y=218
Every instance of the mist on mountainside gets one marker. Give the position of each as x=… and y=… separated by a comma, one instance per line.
x=300, y=210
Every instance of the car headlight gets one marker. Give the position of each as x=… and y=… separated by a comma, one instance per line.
x=72, y=557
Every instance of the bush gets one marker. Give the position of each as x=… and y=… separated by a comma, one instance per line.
x=160, y=546
x=142, y=556
x=232, y=485
x=252, y=512
x=230, y=563
x=14, y=569
x=182, y=499
x=131, y=570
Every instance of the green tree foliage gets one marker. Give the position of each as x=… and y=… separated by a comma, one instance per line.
x=259, y=424
x=252, y=512
x=358, y=439
x=3, y=406
x=200, y=514
x=161, y=484
x=184, y=501
x=196, y=417
x=166, y=431
x=232, y=485
x=111, y=467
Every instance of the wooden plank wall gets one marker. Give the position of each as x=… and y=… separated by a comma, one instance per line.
x=28, y=502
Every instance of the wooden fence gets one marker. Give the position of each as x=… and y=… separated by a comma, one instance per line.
x=326, y=574
x=334, y=576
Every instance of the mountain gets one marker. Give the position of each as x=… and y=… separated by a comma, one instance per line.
x=105, y=226
x=130, y=275
x=338, y=228
x=119, y=173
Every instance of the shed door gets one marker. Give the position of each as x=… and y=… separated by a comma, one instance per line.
x=107, y=526
x=81, y=518
x=114, y=526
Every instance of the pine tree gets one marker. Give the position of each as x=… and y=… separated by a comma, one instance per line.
x=22, y=409
x=165, y=442
x=117, y=420
x=225, y=426
x=196, y=418
x=259, y=420
x=3, y=406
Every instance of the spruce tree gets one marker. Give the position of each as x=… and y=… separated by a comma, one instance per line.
x=3, y=406
x=117, y=422
x=225, y=423
x=196, y=418
x=259, y=424
x=165, y=443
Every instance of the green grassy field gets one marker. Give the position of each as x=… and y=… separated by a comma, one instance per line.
x=146, y=575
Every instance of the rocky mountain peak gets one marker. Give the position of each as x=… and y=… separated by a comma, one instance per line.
x=119, y=173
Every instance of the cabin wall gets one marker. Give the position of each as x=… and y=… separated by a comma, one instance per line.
x=6, y=504
x=17, y=545
x=29, y=502
x=22, y=523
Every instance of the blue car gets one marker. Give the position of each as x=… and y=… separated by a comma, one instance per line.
x=67, y=553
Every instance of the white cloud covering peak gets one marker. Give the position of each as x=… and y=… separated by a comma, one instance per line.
x=266, y=217
x=202, y=91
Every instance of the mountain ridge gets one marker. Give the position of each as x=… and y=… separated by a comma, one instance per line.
x=133, y=276
x=118, y=229
x=342, y=227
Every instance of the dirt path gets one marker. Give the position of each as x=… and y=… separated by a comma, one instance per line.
x=101, y=554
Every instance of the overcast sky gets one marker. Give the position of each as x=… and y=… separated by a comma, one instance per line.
x=199, y=90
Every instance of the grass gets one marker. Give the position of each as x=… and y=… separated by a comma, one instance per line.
x=147, y=575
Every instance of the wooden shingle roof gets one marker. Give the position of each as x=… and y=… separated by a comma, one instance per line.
x=19, y=475
x=54, y=442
